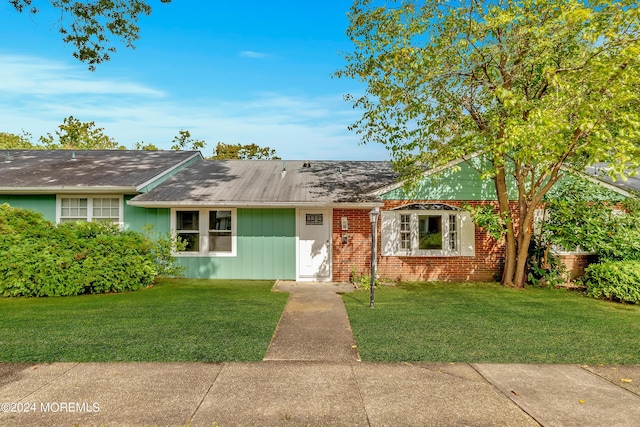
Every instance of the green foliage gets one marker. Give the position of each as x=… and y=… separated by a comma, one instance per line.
x=38, y=258
x=486, y=217
x=11, y=141
x=145, y=147
x=74, y=134
x=88, y=25
x=579, y=215
x=544, y=268
x=362, y=281
x=243, y=152
x=184, y=141
x=162, y=249
x=533, y=85
x=614, y=280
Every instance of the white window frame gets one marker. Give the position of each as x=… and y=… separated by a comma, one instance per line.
x=203, y=231
x=90, y=198
x=461, y=233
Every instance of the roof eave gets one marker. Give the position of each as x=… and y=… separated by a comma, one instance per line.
x=69, y=190
x=141, y=186
x=245, y=204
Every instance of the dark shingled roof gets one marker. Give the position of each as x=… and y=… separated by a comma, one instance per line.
x=272, y=182
x=85, y=169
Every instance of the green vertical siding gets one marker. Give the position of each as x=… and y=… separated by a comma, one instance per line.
x=43, y=203
x=463, y=182
x=460, y=182
x=135, y=218
x=266, y=249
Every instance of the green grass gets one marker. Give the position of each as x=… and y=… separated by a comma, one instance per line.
x=480, y=322
x=176, y=320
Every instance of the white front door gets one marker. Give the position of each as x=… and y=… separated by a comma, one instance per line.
x=314, y=244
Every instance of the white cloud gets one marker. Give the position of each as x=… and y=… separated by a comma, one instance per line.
x=25, y=75
x=35, y=95
x=252, y=54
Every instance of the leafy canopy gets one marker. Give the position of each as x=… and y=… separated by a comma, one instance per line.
x=538, y=82
x=74, y=134
x=89, y=25
x=243, y=152
x=12, y=141
x=184, y=141
x=536, y=85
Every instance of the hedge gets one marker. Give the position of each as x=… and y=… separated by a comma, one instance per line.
x=40, y=258
x=614, y=280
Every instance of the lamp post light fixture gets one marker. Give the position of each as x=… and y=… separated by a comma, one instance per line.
x=373, y=218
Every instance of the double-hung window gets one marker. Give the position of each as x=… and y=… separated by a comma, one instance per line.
x=427, y=232
x=220, y=236
x=188, y=229
x=206, y=232
x=89, y=208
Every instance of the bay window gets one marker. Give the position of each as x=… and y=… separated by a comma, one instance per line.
x=427, y=230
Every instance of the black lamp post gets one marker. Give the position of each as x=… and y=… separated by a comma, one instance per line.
x=373, y=218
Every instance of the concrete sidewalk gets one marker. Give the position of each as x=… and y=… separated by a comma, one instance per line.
x=317, y=394
x=311, y=377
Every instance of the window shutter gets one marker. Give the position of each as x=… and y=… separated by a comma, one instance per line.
x=390, y=236
x=467, y=235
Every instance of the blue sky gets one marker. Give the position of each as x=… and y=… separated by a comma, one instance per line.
x=239, y=72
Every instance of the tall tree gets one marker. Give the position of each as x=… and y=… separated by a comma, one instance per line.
x=74, y=134
x=89, y=25
x=12, y=141
x=535, y=85
x=184, y=141
x=243, y=152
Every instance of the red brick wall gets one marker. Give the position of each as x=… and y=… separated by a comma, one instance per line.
x=356, y=253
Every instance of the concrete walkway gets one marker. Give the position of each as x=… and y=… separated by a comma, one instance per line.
x=314, y=325
x=302, y=387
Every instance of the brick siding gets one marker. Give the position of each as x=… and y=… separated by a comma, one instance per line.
x=354, y=254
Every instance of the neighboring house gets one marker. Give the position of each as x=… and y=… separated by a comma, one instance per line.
x=269, y=219
x=87, y=185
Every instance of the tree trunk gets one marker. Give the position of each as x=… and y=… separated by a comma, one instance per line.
x=524, y=239
x=510, y=241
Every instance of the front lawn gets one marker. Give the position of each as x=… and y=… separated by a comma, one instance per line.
x=480, y=322
x=176, y=320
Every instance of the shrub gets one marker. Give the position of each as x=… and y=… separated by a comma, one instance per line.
x=162, y=249
x=38, y=258
x=362, y=281
x=614, y=280
x=544, y=268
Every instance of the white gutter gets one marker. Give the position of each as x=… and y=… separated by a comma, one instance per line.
x=244, y=204
x=68, y=190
